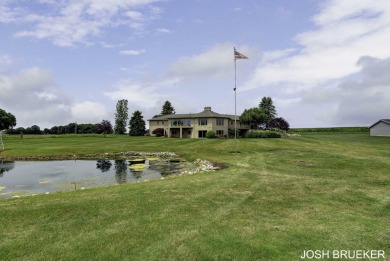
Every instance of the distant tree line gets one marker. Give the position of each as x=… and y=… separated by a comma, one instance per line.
x=103, y=127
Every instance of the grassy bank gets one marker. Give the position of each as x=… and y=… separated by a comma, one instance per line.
x=277, y=198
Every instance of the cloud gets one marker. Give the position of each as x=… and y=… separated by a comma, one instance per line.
x=163, y=31
x=137, y=93
x=71, y=22
x=7, y=14
x=26, y=82
x=33, y=97
x=135, y=15
x=132, y=52
x=88, y=112
x=216, y=63
x=328, y=75
x=346, y=30
x=362, y=102
x=358, y=102
x=6, y=61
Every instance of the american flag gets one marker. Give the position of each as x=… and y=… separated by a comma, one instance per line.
x=238, y=55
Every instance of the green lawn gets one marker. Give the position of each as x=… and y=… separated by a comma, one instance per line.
x=277, y=198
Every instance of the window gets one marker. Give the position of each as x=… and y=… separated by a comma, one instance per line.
x=219, y=132
x=202, y=134
x=202, y=121
x=220, y=122
x=187, y=122
x=181, y=122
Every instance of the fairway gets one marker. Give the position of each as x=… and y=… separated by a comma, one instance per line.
x=277, y=198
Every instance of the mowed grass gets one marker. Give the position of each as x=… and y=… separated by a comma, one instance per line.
x=277, y=198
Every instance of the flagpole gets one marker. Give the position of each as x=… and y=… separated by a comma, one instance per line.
x=235, y=103
x=237, y=55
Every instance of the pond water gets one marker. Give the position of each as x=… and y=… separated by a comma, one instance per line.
x=22, y=178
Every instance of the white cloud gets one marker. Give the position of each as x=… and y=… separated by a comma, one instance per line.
x=70, y=22
x=216, y=63
x=362, y=102
x=330, y=76
x=23, y=83
x=46, y=96
x=6, y=61
x=32, y=96
x=138, y=94
x=132, y=52
x=346, y=31
x=7, y=14
x=88, y=112
x=135, y=15
x=163, y=30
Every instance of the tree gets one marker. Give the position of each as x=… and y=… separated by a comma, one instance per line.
x=267, y=106
x=167, y=108
x=279, y=123
x=137, y=124
x=35, y=129
x=253, y=116
x=7, y=120
x=121, y=117
x=104, y=127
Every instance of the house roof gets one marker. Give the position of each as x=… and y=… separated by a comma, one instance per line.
x=206, y=113
x=386, y=121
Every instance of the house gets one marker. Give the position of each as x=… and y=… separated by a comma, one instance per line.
x=195, y=125
x=380, y=128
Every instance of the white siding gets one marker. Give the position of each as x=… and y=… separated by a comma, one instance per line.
x=379, y=129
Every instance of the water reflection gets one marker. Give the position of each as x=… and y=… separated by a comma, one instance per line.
x=165, y=169
x=103, y=165
x=6, y=166
x=120, y=171
x=33, y=177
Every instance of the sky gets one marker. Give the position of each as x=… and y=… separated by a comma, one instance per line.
x=324, y=63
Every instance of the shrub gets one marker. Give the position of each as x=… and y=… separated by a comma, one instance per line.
x=158, y=132
x=263, y=134
x=231, y=133
x=210, y=134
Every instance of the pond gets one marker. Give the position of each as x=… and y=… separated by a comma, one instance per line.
x=23, y=178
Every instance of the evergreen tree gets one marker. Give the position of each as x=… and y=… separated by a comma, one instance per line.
x=267, y=106
x=167, y=108
x=137, y=124
x=121, y=117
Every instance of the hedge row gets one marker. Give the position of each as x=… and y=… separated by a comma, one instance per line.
x=334, y=129
x=263, y=134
